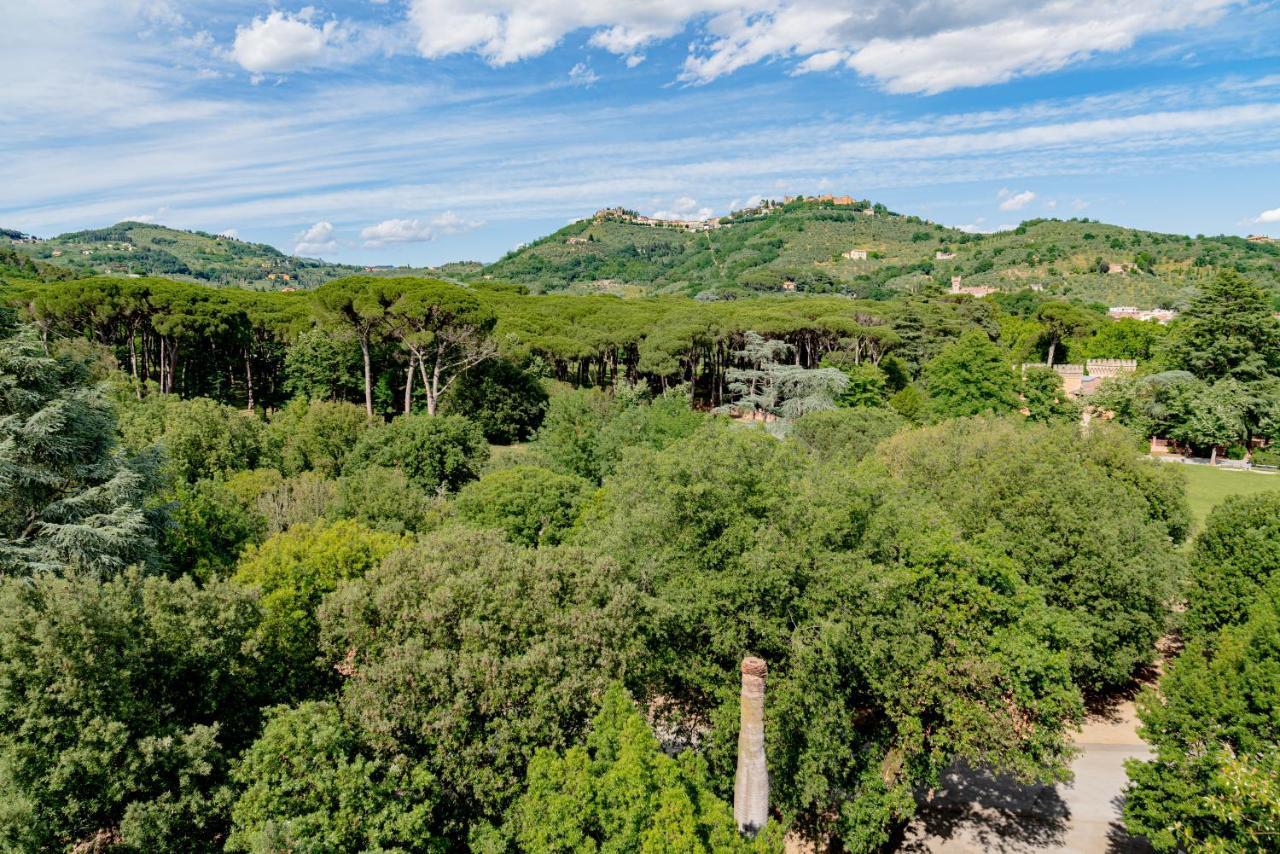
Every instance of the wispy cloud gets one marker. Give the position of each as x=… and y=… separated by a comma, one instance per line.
x=1011, y=201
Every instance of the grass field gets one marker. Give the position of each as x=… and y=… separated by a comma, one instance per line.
x=1207, y=487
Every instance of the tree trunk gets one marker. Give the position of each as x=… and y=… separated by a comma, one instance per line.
x=408, y=388
x=248, y=378
x=1053, y=346
x=368, y=377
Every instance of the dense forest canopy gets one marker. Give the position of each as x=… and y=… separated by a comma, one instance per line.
x=402, y=564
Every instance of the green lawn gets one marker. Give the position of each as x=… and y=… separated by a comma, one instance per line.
x=1207, y=487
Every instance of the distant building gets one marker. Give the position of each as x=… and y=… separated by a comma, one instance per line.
x=288, y=290
x=1118, y=267
x=1131, y=312
x=1260, y=238
x=789, y=285
x=56, y=253
x=855, y=255
x=979, y=291
x=576, y=241
x=943, y=256
x=86, y=251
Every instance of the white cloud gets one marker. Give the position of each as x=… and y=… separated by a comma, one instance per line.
x=283, y=42
x=1079, y=204
x=415, y=230
x=1015, y=201
x=1272, y=215
x=909, y=46
x=229, y=232
x=316, y=240
x=582, y=75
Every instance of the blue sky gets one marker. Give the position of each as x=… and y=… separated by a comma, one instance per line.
x=424, y=131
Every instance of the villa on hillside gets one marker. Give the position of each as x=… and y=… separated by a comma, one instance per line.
x=943, y=256
x=855, y=255
x=1160, y=315
x=979, y=291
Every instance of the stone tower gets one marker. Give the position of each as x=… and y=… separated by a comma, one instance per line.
x=751, y=785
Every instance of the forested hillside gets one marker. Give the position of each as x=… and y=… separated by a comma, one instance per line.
x=799, y=246
x=153, y=250
x=803, y=243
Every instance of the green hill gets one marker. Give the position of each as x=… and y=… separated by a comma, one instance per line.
x=801, y=245
x=153, y=250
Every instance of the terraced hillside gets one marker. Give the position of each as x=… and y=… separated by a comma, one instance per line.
x=819, y=247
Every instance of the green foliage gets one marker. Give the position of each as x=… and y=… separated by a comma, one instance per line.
x=502, y=652
x=969, y=377
x=1081, y=516
x=768, y=385
x=435, y=452
x=744, y=545
x=298, y=500
x=620, y=792
x=570, y=436
x=508, y=403
x=1227, y=331
x=845, y=433
x=315, y=436
x=1042, y=396
x=209, y=524
x=1215, y=726
x=310, y=786
x=867, y=385
x=292, y=571
x=319, y=367
x=1236, y=557
x=67, y=496
x=201, y=438
x=533, y=506
x=122, y=703
x=384, y=499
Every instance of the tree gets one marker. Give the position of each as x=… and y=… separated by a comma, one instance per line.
x=771, y=387
x=292, y=571
x=569, y=438
x=319, y=367
x=1214, y=723
x=866, y=381
x=1235, y=558
x=1080, y=514
x=1227, y=331
x=435, y=452
x=1062, y=320
x=1211, y=415
x=444, y=327
x=155, y=692
x=1042, y=396
x=743, y=544
x=208, y=526
x=315, y=435
x=67, y=495
x=310, y=785
x=500, y=654
x=507, y=402
x=200, y=437
x=969, y=377
x=384, y=499
x=356, y=306
x=533, y=506
x=620, y=792
x=852, y=433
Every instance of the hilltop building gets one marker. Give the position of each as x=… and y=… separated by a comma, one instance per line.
x=855, y=255
x=1081, y=380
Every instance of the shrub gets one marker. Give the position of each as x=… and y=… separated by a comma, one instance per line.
x=315, y=435
x=533, y=506
x=850, y=433
x=384, y=499
x=434, y=452
x=292, y=571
